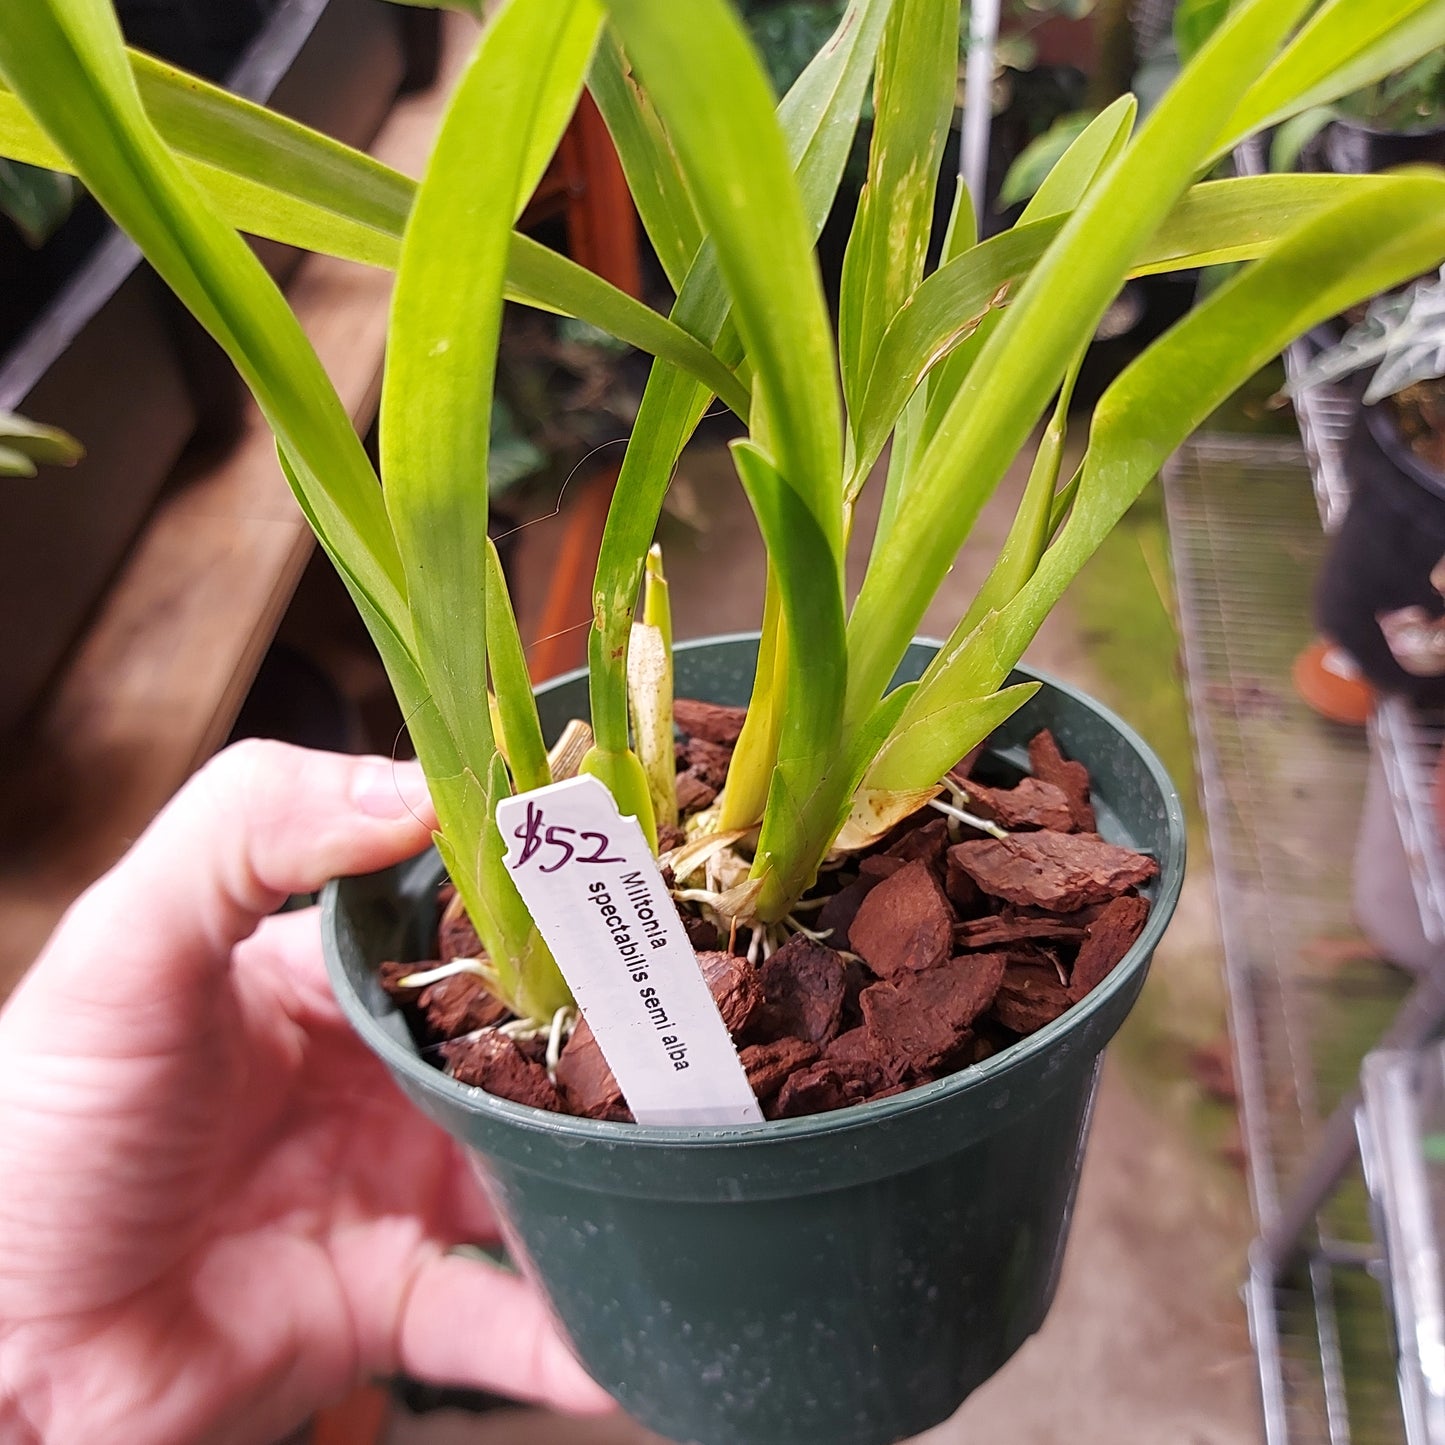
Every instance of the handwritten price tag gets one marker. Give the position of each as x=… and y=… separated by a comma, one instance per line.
x=593, y=886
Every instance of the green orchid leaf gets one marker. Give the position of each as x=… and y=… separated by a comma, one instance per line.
x=929, y=744
x=1194, y=22
x=810, y=589
x=521, y=729
x=262, y=170
x=35, y=199
x=1054, y=314
x=271, y=177
x=626, y=779
x=648, y=160
x=446, y=310
x=1363, y=245
x=1037, y=159
x=573, y=42
x=1032, y=524
x=435, y=422
x=750, y=774
x=1293, y=135
x=710, y=92
x=1088, y=156
x=913, y=95
x=541, y=278
x=1344, y=47
x=819, y=116
x=1216, y=221
x=15, y=463
x=962, y=331
x=961, y=233
x=527, y=978
x=905, y=445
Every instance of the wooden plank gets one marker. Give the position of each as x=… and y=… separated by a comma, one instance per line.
x=155, y=683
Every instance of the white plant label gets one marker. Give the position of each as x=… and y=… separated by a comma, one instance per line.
x=591, y=882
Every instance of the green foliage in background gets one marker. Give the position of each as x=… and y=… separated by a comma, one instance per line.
x=35, y=199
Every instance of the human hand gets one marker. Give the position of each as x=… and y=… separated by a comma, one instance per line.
x=216, y=1211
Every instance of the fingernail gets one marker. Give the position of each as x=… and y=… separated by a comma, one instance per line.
x=381, y=788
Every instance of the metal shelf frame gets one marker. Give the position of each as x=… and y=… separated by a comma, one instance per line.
x=1299, y=1128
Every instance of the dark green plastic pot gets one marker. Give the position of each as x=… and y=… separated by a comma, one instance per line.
x=845, y=1279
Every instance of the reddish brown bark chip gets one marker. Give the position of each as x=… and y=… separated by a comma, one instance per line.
x=735, y=988
x=1017, y=927
x=928, y=842
x=768, y=1065
x=829, y=1084
x=585, y=1081
x=1062, y=872
x=861, y=1046
x=1109, y=938
x=878, y=866
x=1032, y=804
x=494, y=1063
x=456, y=1005
x=693, y=795
x=456, y=938
x=803, y=987
x=856, y=977
x=702, y=934
x=904, y=924
x=708, y=720
x=818, y=1089
x=965, y=895
x=669, y=836
x=708, y=762
x=390, y=975
x=923, y=1019
x=459, y=1004
x=1051, y=766
x=836, y=916
x=1029, y=997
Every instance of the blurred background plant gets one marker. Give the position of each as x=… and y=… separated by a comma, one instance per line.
x=1411, y=102
x=1402, y=336
x=35, y=200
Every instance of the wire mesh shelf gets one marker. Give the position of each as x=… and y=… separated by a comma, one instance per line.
x=1282, y=791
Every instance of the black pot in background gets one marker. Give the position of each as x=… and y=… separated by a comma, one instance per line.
x=1380, y=564
x=1351, y=147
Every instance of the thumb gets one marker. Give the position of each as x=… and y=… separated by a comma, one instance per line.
x=261, y=821
x=468, y=1323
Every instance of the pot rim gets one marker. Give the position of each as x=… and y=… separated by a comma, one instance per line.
x=1385, y=132
x=1385, y=431
x=579, y=1131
